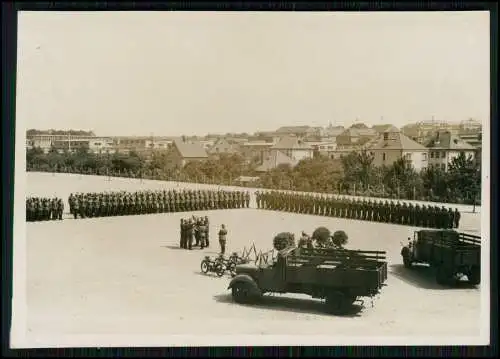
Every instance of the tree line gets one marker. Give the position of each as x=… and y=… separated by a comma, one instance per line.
x=353, y=174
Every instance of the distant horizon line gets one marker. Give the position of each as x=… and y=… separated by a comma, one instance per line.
x=254, y=133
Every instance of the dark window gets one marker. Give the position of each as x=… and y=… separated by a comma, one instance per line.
x=432, y=154
x=386, y=136
x=443, y=154
x=383, y=156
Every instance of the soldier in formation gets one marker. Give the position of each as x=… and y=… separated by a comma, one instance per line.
x=194, y=229
x=396, y=212
x=44, y=209
x=105, y=204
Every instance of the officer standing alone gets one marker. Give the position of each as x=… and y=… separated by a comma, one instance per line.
x=222, y=239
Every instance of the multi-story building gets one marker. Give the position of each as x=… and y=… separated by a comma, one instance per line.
x=46, y=141
x=324, y=148
x=444, y=146
x=393, y=145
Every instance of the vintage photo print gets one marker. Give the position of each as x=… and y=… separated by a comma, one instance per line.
x=251, y=178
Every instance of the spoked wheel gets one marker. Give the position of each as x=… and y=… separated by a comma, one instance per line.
x=204, y=266
x=219, y=270
x=232, y=268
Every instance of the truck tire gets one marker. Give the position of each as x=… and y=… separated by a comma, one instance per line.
x=475, y=275
x=241, y=293
x=443, y=276
x=407, y=262
x=204, y=266
x=338, y=302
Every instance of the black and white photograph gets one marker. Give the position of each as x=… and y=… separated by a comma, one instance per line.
x=251, y=178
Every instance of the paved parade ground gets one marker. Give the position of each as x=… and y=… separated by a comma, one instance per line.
x=126, y=275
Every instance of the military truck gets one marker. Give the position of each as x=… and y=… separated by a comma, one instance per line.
x=452, y=253
x=339, y=276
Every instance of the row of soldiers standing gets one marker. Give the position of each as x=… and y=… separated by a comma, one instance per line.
x=197, y=228
x=371, y=210
x=44, y=209
x=88, y=205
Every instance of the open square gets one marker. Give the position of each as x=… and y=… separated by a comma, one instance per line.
x=127, y=275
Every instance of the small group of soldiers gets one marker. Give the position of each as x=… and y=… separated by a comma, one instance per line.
x=44, y=209
x=122, y=203
x=196, y=228
x=371, y=210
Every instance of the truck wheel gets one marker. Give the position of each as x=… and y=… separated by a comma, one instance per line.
x=219, y=270
x=241, y=293
x=475, y=275
x=339, y=303
x=204, y=266
x=407, y=262
x=443, y=277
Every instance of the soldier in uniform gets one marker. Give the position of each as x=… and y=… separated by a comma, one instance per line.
x=392, y=212
x=182, y=243
x=404, y=213
x=456, y=218
x=202, y=231
x=189, y=234
x=222, y=239
x=257, y=199
x=247, y=199
x=60, y=208
x=207, y=231
x=417, y=219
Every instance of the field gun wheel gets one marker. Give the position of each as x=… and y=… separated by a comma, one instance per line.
x=220, y=269
x=339, y=303
x=241, y=293
x=204, y=266
x=475, y=275
x=232, y=268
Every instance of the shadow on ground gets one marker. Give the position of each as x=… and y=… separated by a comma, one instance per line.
x=423, y=277
x=287, y=304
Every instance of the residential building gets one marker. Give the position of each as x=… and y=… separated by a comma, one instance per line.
x=101, y=146
x=444, y=146
x=183, y=152
x=224, y=146
x=275, y=159
x=422, y=131
x=332, y=132
x=380, y=129
x=127, y=144
x=324, y=148
x=356, y=135
x=473, y=138
x=256, y=149
x=299, y=131
x=293, y=147
x=393, y=145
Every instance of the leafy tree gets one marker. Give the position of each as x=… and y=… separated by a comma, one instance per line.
x=464, y=177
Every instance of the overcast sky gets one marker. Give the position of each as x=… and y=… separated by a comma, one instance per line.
x=173, y=73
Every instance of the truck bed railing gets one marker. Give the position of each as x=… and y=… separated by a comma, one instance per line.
x=338, y=254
